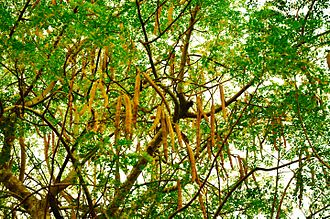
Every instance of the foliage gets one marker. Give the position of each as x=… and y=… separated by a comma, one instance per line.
x=163, y=109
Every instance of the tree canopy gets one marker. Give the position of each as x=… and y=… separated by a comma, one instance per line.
x=164, y=108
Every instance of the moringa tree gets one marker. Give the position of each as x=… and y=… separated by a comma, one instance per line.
x=163, y=109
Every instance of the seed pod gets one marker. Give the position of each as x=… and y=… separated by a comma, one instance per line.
x=209, y=151
x=104, y=94
x=105, y=59
x=164, y=135
x=128, y=115
x=136, y=96
x=170, y=129
x=212, y=125
x=84, y=109
x=75, y=121
x=157, y=17
x=157, y=118
x=179, y=194
x=178, y=133
x=92, y=94
x=42, y=96
x=190, y=153
x=200, y=107
x=223, y=102
x=201, y=203
x=117, y=117
x=170, y=15
x=192, y=162
x=198, y=131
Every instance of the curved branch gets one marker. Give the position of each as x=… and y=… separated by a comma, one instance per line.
x=239, y=182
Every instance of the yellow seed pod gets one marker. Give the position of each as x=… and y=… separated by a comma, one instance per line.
x=178, y=133
x=212, y=125
x=170, y=15
x=201, y=203
x=157, y=118
x=128, y=115
x=200, y=108
x=164, y=135
x=223, y=102
x=76, y=118
x=198, y=131
x=117, y=117
x=136, y=95
x=104, y=94
x=192, y=163
x=179, y=194
x=92, y=94
x=170, y=129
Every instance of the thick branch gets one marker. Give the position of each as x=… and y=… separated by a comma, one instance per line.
x=132, y=177
x=30, y=203
x=7, y=125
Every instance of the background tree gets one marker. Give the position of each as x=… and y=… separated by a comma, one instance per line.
x=163, y=109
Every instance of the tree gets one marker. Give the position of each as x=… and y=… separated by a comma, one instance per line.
x=163, y=109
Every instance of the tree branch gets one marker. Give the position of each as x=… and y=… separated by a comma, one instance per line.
x=125, y=188
x=19, y=18
x=29, y=202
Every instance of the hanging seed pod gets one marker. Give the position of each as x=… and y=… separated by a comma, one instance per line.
x=200, y=107
x=117, y=117
x=170, y=15
x=104, y=94
x=190, y=153
x=76, y=119
x=198, y=131
x=128, y=115
x=179, y=194
x=201, y=203
x=178, y=133
x=192, y=163
x=92, y=95
x=164, y=135
x=157, y=17
x=170, y=129
x=223, y=102
x=212, y=125
x=230, y=159
x=136, y=96
x=157, y=118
